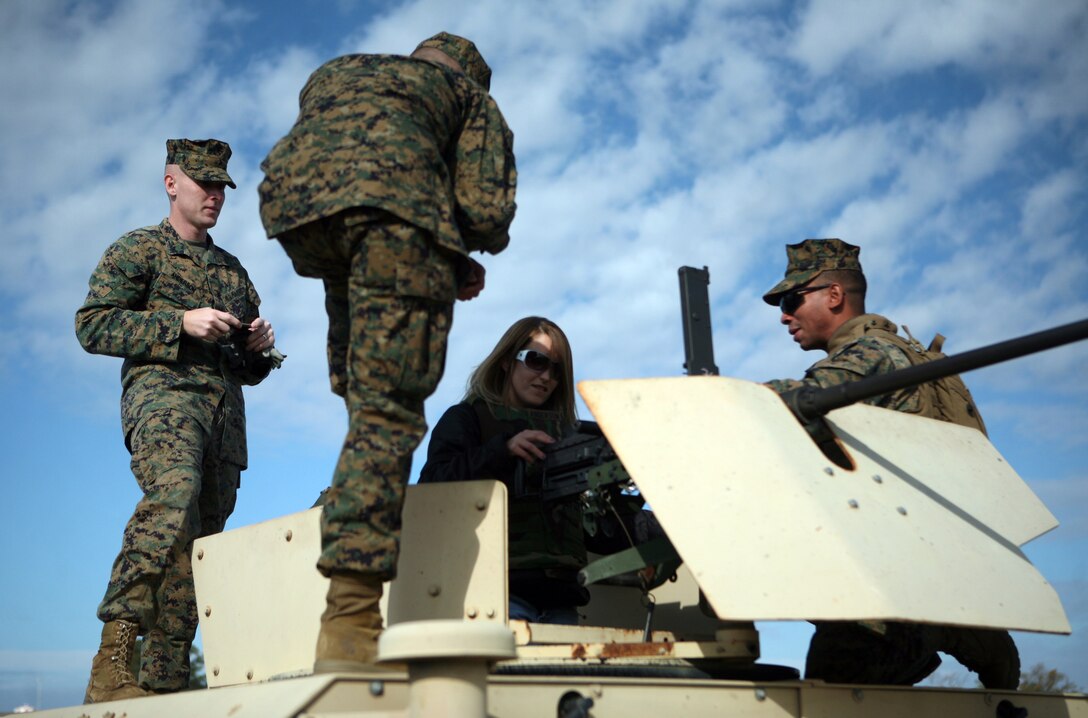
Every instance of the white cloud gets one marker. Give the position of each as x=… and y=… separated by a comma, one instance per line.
x=701, y=165
x=888, y=37
x=71, y=70
x=1048, y=208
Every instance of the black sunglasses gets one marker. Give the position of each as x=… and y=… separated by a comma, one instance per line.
x=791, y=301
x=537, y=361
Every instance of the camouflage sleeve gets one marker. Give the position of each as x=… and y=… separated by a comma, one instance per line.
x=485, y=178
x=113, y=319
x=868, y=356
x=783, y=385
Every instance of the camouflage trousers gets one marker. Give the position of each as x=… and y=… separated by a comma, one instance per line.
x=188, y=493
x=905, y=653
x=389, y=295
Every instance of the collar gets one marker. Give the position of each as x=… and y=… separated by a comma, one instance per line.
x=547, y=421
x=853, y=329
x=178, y=246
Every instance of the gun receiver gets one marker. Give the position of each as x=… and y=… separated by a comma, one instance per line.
x=809, y=404
x=581, y=461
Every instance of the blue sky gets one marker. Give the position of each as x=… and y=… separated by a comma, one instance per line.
x=947, y=139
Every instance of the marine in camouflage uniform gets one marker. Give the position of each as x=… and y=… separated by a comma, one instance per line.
x=822, y=299
x=395, y=170
x=169, y=305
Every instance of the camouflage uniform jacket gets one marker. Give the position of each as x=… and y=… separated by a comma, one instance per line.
x=143, y=285
x=415, y=139
x=859, y=348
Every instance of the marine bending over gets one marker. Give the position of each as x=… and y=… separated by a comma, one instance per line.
x=395, y=170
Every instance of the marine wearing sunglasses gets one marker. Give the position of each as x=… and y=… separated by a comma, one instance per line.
x=791, y=301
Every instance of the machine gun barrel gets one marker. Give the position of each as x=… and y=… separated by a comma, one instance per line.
x=810, y=403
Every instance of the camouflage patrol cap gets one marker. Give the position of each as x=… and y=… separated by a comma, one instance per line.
x=203, y=160
x=811, y=257
x=465, y=53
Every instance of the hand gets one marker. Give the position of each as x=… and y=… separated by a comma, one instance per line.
x=261, y=336
x=474, y=282
x=526, y=445
x=208, y=324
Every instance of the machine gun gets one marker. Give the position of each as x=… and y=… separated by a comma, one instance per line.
x=583, y=462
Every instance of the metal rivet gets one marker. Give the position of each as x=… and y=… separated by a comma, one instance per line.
x=829, y=471
x=289, y=535
x=207, y=611
x=491, y=613
x=377, y=688
x=481, y=504
x=200, y=555
x=472, y=612
x=249, y=675
x=902, y=510
x=215, y=671
x=434, y=589
x=878, y=478
x=853, y=503
x=761, y=694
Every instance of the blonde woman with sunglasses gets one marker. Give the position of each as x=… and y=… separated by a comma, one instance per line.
x=519, y=400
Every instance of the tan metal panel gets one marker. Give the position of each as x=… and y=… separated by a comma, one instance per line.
x=331, y=695
x=260, y=596
x=923, y=528
x=380, y=696
x=953, y=465
x=453, y=554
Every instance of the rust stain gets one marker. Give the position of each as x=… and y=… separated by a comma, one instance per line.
x=605, y=651
x=635, y=650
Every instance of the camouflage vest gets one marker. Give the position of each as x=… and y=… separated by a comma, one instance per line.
x=541, y=536
x=947, y=399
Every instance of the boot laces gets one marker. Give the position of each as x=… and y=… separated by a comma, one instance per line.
x=126, y=639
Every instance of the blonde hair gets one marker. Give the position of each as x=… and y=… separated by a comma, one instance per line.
x=491, y=379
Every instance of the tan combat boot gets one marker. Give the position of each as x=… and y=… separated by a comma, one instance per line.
x=351, y=624
x=111, y=678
